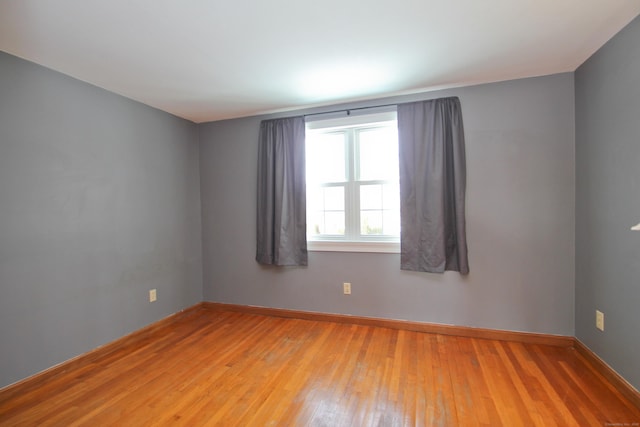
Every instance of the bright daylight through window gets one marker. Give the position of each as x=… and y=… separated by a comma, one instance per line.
x=353, y=201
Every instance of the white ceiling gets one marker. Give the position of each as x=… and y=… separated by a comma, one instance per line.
x=208, y=59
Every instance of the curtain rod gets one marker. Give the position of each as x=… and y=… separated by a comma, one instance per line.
x=349, y=110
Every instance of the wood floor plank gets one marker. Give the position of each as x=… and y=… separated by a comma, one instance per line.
x=227, y=368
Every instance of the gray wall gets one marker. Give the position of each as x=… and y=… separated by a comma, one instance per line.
x=608, y=201
x=99, y=202
x=520, y=220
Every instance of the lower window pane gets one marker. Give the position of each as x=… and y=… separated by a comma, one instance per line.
x=315, y=199
x=370, y=222
x=370, y=197
x=325, y=223
x=391, y=197
x=315, y=223
x=333, y=198
x=333, y=223
x=391, y=222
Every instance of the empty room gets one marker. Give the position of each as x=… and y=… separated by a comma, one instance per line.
x=335, y=213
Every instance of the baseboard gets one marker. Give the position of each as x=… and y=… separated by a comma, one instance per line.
x=85, y=359
x=600, y=366
x=461, y=331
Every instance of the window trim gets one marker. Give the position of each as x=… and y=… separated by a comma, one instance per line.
x=347, y=243
x=390, y=247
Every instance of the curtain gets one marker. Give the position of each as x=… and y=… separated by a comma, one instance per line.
x=432, y=186
x=281, y=215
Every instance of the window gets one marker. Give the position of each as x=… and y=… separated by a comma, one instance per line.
x=353, y=199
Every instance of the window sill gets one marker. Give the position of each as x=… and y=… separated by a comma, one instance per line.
x=342, y=246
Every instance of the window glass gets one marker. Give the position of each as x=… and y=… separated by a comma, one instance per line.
x=371, y=197
x=333, y=223
x=325, y=211
x=378, y=153
x=379, y=207
x=352, y=181
x=325, y=154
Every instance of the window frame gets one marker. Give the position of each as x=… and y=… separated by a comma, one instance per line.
x=352, y=240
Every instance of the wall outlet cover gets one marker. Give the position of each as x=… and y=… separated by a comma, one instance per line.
x=346, y=287
x=600, y=320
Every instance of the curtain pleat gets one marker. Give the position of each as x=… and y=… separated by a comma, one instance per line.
x=281, y=212
x=432, y=186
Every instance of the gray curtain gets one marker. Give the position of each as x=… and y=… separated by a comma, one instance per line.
x=432, y=186
x=281, y=214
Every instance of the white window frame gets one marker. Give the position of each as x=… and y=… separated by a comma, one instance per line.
x=353, y=242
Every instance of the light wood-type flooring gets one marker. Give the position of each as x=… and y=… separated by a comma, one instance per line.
x=211, y=367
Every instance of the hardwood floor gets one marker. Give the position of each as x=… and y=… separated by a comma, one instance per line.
x=211, y=367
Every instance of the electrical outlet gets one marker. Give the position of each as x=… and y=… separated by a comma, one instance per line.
x=600, y=320
x=153, y=295
x=346, y=288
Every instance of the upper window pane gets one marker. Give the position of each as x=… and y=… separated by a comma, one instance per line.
x=325, y=154
x=378, y=153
